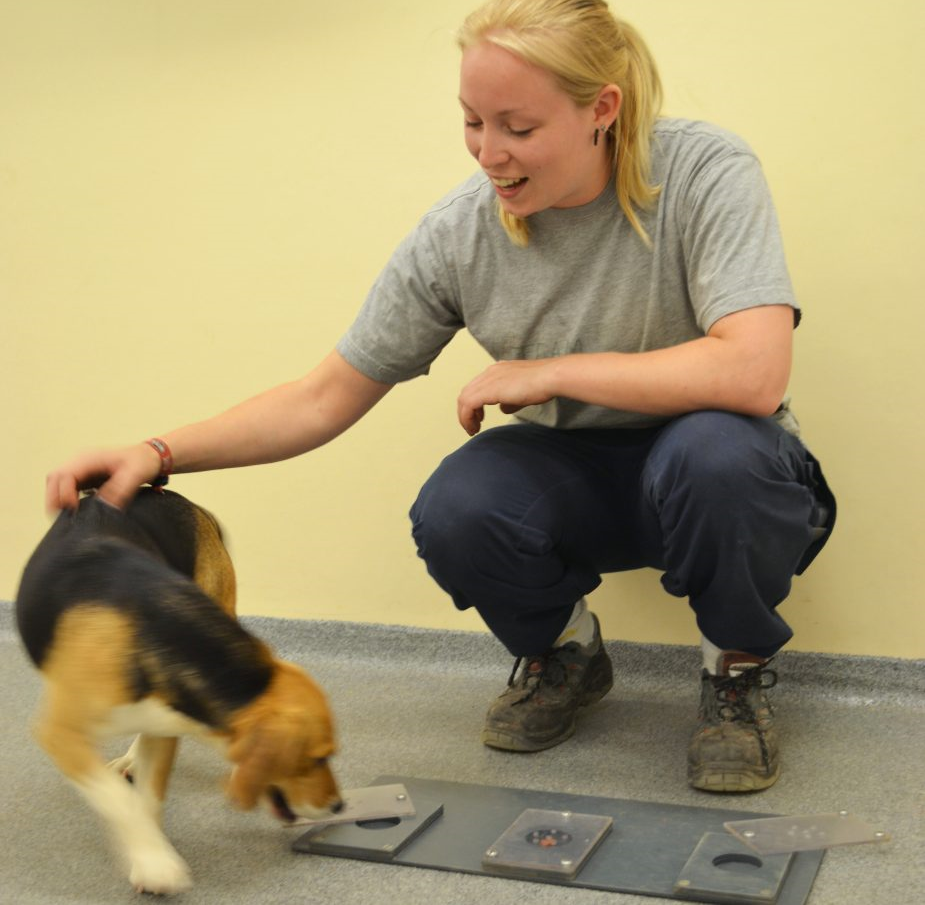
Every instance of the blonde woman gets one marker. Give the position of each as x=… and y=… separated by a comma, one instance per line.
x=626, y=274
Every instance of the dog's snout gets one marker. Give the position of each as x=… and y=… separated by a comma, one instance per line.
x=337, y=807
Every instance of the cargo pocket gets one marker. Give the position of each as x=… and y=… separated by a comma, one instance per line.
x=822, y=518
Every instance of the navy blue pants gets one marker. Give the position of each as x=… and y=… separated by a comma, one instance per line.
x=522, y=520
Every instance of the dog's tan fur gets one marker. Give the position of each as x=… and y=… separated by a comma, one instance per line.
x=278, y=738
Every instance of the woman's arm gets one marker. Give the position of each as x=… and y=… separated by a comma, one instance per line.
x=285, y=421
x=741, y=365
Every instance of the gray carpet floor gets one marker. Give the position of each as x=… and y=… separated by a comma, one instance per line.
x=410, y=702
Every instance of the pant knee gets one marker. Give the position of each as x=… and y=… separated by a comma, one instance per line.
x=455, y=510
x=712, y=459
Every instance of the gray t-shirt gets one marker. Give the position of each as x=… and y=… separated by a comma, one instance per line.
x=586, y=282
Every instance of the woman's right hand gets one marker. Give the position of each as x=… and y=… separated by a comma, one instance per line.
x=118, y=473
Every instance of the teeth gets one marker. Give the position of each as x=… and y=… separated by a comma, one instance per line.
x=505, y=183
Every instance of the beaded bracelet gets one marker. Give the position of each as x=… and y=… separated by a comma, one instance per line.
x=163, y=450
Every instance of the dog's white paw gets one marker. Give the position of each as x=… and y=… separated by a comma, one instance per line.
x=160, y=872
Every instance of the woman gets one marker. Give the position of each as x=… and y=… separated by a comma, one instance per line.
x=626, y=274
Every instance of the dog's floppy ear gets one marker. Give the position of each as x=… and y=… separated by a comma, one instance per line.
x=271, y=750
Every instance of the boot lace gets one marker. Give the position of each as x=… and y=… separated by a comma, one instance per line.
x=545, y=669
x=732, y=699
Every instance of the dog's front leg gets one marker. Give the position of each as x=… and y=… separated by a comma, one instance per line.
x=147, y=764
x=154, y=865
x=154, y=757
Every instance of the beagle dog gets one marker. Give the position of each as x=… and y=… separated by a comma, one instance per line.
x=130, y=617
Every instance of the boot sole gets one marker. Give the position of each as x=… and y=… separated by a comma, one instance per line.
x=503, y=741
x=729, y=778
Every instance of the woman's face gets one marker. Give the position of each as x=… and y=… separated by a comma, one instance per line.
x=529, y=136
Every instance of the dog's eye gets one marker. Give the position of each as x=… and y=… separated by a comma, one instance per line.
x=321, y=761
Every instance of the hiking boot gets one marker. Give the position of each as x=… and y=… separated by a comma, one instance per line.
x=734, y=749
x=538, y=709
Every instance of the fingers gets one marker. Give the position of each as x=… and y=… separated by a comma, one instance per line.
x=137, y=465
x=470, y=418
x=511, y=385
x=469, y=414
x=60, y=492
x=470, y=410
x=471, y=402
x=118, y=491
x=117, y=473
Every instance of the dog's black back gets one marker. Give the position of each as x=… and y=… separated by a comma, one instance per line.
x=141, y=561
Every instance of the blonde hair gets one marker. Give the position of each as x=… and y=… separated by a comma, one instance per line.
x=584, y=46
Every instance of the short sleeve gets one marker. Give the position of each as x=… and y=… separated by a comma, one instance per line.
x=407, y=318
x=733, y=249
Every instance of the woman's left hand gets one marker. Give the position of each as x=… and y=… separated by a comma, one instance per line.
x=511, y=385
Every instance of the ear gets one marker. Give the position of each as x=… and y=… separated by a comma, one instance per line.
x=269, y=751
x=250, y=773
x=317, y=737
x=243, y=789
x=607, y=106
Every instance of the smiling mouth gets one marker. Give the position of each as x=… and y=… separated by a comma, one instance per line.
x=508, y=183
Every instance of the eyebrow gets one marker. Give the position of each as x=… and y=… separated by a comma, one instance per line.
x=510, y=112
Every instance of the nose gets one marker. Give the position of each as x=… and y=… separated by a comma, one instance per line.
x=492, y=150
x=337, y=806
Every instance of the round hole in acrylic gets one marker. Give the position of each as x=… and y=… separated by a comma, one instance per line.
x=737, y=862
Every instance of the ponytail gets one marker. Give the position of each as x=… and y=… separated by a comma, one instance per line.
x=642, y=99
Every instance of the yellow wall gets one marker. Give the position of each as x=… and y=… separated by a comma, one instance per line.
x=197, y=195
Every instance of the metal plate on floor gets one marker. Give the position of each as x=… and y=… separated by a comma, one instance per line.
x=769, y=835
x=373, y=803
x=645, y=852
x=543, y=844
x=723, y=869
x=371, y=840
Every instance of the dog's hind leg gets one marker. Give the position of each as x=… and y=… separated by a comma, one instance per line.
x=82, y=692
x=214, y=572
x=154, y=865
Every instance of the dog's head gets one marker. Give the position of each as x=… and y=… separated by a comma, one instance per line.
x=280, y=748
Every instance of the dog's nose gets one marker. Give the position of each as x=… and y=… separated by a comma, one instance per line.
x=337, y=807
